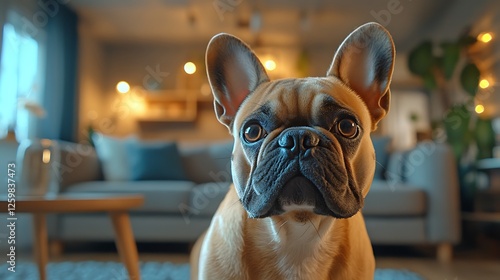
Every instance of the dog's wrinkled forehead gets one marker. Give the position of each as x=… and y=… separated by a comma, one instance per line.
x=301, y=102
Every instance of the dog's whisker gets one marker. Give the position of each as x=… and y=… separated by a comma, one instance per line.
x=315, y=228
x=235, y=202
x=279, y=229
x=307, y=228
x=380, y=164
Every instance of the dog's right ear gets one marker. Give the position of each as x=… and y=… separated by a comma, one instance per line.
x=234, y=71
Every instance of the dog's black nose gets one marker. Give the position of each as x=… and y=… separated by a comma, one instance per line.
x=297, y=140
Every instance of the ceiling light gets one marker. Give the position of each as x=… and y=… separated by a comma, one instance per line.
x=479, y=109
x=190, y=68
x=484, y=84
x=270, y=65
x=485, y=37
x=122, y=87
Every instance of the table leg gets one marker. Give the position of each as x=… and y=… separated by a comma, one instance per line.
x=41, y=246
x=125, y=243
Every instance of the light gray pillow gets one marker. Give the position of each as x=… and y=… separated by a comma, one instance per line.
x=112, y=153
x=381, y=145
x=395, y=167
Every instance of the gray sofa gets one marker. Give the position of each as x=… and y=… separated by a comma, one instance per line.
x=173, y=211
x=415, y=202
x=418, y=202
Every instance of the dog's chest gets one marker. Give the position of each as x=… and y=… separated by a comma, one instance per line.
x=295, y=251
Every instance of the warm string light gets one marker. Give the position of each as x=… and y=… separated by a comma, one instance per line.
x=484, y=84
x=122, y=87
x=270, y=65
x=189, y=68
x=479, y=109
x=485, y=37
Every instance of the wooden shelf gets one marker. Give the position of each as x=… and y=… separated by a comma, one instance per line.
x=163, y=119
x=170, y=106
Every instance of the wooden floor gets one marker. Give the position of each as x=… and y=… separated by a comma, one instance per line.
x=457, y=270
x=481, y=262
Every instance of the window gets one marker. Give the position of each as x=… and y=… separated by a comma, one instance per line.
x=20, y=78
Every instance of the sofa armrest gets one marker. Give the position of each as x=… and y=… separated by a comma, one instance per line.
x=432, y=166
x=77, y=163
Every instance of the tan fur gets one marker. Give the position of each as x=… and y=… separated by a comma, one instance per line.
x=297, y=243
x=282, y=248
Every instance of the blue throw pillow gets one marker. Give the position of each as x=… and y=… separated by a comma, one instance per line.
x=381, y=146
x=155, y=161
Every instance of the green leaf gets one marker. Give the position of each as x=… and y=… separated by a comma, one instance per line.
x=421, y=60
x=485, y=138
x=451, y=55
x=469, y=78
x=429, y=81
x=456, y=124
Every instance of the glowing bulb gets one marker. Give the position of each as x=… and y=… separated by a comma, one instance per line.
x=479, y=108
x=122, y=87
x=46, y=156
x=189, y=68
x=484, y=83
x=485, y=37
x=270, y=65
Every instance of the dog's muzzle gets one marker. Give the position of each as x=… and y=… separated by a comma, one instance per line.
x=297, y=144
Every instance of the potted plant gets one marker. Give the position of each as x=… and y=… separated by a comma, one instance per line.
x=451, y=77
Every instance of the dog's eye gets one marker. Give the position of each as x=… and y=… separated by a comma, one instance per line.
x=253, y=133
x=347, y=128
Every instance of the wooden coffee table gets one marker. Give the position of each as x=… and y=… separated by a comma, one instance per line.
x=115, y=205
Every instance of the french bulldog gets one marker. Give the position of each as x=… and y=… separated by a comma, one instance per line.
x=302, y=163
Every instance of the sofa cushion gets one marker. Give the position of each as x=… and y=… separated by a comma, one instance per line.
x=205, y=199
x=208, y=163
x=396, y=167
x=159, y=196
x=155, y=161
x=397, y=230
x=112, y=154
x=381, y=146
x=394, y=199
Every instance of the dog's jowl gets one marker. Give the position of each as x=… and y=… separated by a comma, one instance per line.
x=302, y=163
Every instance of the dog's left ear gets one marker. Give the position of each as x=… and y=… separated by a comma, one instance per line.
x=365, y=62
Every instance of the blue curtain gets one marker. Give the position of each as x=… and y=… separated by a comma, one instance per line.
x=60, y=97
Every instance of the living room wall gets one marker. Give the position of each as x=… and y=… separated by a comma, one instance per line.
x=90, y=75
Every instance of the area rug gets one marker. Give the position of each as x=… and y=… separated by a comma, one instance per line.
x=149, y=271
